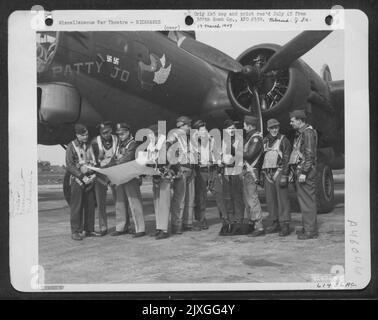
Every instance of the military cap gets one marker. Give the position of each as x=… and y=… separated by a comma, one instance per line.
x=105, y=125
x=184, y=120
x=198, y=124
x=272, y=123
x=154, y=128
x=122, y=126
x=228, y=123
x=298, y=114
x=251, y=120
x=80, y=129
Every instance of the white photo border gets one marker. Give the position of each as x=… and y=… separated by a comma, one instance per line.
x=23, y=195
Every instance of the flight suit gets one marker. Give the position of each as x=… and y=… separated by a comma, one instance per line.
x=161, y=184
x=228, y=188
x=201, y=183
x=277, y=152
x=129, y=192
x=161, y=189
x=252, y=151
x=103, y=152
x=204, y=172
x=228, y=192
x=82, y=196
x=182, y=203
x=303, y=161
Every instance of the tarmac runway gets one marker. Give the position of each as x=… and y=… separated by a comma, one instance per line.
x=193, y=257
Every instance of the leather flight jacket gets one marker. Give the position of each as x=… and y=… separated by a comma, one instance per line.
x=252, y=151
x=303, y=157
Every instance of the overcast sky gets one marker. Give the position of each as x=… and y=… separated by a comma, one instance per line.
x=330, y=51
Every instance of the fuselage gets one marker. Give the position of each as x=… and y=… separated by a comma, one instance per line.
x=137, y=77
x=143, y=77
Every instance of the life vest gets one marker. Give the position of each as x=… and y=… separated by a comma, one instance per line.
x=106, y=155
x=187, y=155
x=151, y=156
x=205, y=153
x=229, y=160
x=85, y=155
x=118, y=152
x=272, y=154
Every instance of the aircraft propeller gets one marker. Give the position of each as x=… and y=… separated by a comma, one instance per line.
x=294, y=49
x=264, y=78
x=261, y=78
x=288, y=53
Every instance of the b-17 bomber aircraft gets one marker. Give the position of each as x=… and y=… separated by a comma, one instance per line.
x=143, y=77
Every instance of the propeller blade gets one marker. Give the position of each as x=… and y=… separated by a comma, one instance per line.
x=294, y=49
x=209, y=54
x=257, y=98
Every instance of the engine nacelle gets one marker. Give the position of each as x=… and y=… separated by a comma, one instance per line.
x=60, y=106
x=277, y=90
x=61, y=103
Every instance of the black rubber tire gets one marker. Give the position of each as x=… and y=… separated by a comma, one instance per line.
x=67, y=187
x=325, y=197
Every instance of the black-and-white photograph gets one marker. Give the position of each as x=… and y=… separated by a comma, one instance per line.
x=190, y=157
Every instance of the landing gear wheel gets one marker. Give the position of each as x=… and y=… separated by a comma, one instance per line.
x=67, y=187
x=325, y=198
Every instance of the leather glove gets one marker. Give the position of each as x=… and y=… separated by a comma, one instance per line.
x=283, y=181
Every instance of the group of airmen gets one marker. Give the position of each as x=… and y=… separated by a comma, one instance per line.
x=180, y=190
